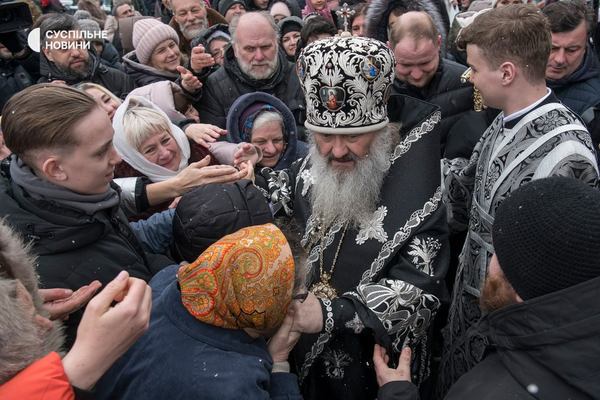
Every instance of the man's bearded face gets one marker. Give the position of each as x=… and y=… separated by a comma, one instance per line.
x=349, y=171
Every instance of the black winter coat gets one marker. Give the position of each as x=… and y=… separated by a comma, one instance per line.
x=113, y=79
x=454, y=98
x=72, y=248
x=546, y=348
x=228, y=83
x=580, y=90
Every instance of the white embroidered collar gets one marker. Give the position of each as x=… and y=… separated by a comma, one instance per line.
x=525, y=110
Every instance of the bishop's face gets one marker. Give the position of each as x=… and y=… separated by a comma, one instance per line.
x=343, y=151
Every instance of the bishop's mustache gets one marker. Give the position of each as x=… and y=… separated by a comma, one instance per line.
x=347, y=158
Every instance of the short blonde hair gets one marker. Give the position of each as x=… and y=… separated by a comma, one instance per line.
x=140, y=123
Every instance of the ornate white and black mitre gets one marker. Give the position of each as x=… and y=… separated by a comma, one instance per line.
x=346, y=83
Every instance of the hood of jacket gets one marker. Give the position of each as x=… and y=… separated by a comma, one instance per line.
x=161, y=94
x=50, y=72
x=22, y=342
x=233, y=69
x=142, y=73
x=290, y=133
x=552, y=341
x=202, y=38
x=589, y=68
x=376, y=20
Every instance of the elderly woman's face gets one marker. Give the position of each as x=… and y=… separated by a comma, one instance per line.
x=269, y=137
x=166, y=56
x=161, y=149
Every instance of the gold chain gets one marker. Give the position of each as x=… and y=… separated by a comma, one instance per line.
x=323, y=288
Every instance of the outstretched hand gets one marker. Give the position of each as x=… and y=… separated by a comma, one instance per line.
x=200, y=59
x=204, y=134
x=200, y=173
x=106, y=331
x=386, y=374
x=61, y=302
x=189, y=81
x=246, y=152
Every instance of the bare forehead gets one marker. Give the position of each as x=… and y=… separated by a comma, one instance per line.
x=186, y=4
x=255, y=29
x=411, y=48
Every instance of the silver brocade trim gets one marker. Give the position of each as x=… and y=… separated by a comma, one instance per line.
x=415, y=134
x=387, y=250
x=329, y=317
x=315, y=251
x=306, y=176
x=401, y=236
x=319, y=345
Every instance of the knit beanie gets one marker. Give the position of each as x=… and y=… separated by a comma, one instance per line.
x=546, y=236
x=82, y=14
x=94, y=33
x=225, y=5
x=149, y=33
x=209, y=212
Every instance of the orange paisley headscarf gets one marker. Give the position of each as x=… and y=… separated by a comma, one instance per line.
x=245, y=280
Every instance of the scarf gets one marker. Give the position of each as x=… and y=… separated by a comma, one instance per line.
x=325, y=12
x=133, y=157
x=245, y=280
x=41, y=189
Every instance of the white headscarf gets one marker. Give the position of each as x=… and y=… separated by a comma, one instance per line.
x=133, y=157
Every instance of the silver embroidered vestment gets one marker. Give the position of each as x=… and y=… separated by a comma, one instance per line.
x=549, y=140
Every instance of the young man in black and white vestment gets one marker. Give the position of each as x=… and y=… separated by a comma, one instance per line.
x=368, y=198
x=534, y=136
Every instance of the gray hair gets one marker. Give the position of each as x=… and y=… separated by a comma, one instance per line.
x=265, y=117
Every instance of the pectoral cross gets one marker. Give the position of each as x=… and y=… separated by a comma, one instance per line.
x=345, y=13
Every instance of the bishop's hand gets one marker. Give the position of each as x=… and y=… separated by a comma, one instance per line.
x=308, y=315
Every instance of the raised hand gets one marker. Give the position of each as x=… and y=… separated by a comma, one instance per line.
x=284, y=340
x=106, y=331
x=200, y=59
x=247, y=152
x=188, y=80
x=204, y=134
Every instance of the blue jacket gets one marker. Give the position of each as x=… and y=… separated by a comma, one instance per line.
x=580, y=90
x=182, y=358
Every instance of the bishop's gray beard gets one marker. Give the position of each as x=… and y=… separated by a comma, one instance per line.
x=350, y=196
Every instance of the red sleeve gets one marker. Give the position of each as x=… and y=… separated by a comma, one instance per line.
x=45, y=379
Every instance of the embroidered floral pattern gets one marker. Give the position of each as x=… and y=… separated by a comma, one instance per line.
x=355, y=324
x=424, y=251
x=403, y=308
x=308, y=181
x=335, y=361
x=280, y=188
x=373, y=229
